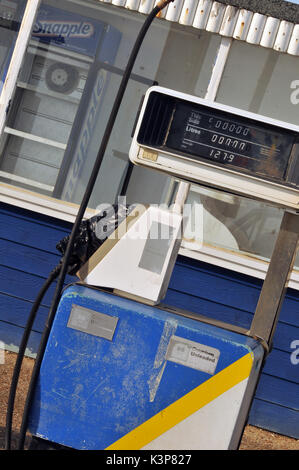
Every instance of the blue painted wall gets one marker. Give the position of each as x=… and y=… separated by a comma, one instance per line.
x=28, y=253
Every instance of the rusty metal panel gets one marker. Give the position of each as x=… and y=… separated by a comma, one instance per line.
x=174, y=10
x=202, y=14
x=283, y=36
x=243, y=24
x=119, y=3
x=162, y=13
x=256, y=28
x=293, y=48
x=270, y=32
x=188, y=12
x=146, y=6
x=132, y=4
x=216, y=17
x=229, y=21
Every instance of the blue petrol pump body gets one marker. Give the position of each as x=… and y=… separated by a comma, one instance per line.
x=119, y=374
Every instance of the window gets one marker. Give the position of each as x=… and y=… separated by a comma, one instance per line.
x=258, y=80
x=10, y=17
x=69, y=78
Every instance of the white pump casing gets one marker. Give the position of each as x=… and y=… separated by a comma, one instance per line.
x=207, y=172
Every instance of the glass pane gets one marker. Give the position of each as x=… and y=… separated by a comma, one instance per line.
x=237, y=223
x=259, y=80
x=195, y=52
x=10, y=18
x=64, y=94
x=69, y=78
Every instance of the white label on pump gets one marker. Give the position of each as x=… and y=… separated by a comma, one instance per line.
x=92, y=322
x=191, y=354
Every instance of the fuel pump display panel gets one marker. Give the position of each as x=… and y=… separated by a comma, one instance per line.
x=229, y=141
x=218, y=146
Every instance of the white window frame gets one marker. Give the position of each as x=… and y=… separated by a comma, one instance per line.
x=245, y=264
x=17, y=58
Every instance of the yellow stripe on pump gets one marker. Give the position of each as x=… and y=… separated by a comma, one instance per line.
x=185, y=406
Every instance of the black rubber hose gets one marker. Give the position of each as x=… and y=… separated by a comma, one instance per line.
x=149, y=19
x=21, y=353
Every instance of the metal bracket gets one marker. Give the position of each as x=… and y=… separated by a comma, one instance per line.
x=276, y=282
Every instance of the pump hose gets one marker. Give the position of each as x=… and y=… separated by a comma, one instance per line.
x=149, y=19
x=18, y=364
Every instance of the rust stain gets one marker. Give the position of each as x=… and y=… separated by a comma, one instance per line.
x=230, y=13
x=186, y=14
x=215, y=12
x=239, y=35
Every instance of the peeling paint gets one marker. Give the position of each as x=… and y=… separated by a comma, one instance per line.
x=208, y=15
x=243, y=24
x=281, y=9
x=169, y=330
x=154, y=383
x=229, y=21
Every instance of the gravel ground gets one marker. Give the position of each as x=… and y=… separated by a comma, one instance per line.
x=253, y=438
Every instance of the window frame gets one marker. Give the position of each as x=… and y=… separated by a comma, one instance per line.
x=21, y=44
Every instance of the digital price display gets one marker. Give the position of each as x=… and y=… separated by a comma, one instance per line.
x=225, y=140
x=219, y=146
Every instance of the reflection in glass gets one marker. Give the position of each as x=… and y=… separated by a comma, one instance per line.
x=69, y=78
x=238, y=224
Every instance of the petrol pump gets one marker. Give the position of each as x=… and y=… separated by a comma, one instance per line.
x=121, y=370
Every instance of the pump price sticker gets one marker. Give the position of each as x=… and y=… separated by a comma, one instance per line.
x=191, y=354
